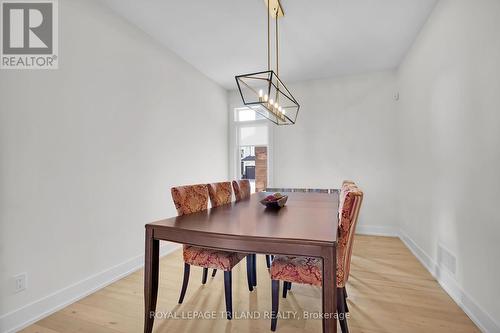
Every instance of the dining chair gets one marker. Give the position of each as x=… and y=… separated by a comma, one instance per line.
x=241, y=192
x=241, y=189
x=308, y=270
x=191, y=199
x=221, y=194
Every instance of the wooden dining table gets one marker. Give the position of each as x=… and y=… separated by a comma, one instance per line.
x=306, y=226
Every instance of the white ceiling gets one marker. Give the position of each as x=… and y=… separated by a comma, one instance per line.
x=318, y=38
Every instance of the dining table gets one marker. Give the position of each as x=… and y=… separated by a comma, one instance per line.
x=306, y=226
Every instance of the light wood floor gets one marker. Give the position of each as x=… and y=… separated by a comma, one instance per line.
x=389, y=291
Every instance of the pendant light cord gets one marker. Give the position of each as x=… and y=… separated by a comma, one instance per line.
x=268, y=38
x=277, y=53
x=277, y=45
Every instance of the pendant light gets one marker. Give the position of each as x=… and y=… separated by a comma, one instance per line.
x=264, y=92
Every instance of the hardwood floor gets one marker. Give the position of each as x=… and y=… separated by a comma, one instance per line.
x=389, y=291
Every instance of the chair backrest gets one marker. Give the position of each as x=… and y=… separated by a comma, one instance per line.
x=241, y=189
x=220, y=193
x=346, y=185
x=190, y=199
x=346, y=182
x=350, y=205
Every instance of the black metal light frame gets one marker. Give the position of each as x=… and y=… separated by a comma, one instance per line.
x=263, y=91
x=272, y=87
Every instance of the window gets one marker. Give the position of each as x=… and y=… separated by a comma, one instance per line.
x=246, y=114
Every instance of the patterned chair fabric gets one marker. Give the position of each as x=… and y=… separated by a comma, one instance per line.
x=220, y=193
x=208, y=258
x=191, y=199
x=348, y=218
x=241, y=189
x=308, y=270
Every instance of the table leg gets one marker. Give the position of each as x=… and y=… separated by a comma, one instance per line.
x=329, y=290
x=151, y=259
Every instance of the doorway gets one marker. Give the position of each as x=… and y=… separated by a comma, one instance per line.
x=252, y=148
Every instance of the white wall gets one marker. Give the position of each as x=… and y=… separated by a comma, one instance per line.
x=89, y=152
x=345, y=130
x=449, y=144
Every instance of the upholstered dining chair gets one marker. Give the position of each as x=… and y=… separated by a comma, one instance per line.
x=241, y=189
x=191, y=199
x=221, y=194
x=308, y=270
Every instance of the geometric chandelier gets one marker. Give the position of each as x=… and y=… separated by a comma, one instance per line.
x=264, y=92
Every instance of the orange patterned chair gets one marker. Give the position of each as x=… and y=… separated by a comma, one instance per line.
x=221, y=194
x=308, y=270
x=192, y=199
x=241, y=189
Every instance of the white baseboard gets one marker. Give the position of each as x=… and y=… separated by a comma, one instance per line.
x=372, y=230
x=481, y=318
x=28, y=314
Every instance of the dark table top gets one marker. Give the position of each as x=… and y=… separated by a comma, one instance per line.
x=306, y=216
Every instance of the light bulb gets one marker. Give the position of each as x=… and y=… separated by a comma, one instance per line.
x=266, y=97
x=283, y=111
x=276, y=105
x=280, y=109
x=261, y=93
x=271, y=102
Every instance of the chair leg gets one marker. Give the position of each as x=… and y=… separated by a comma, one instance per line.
x=341, y=310
x=228, y=294
x=184, y=282
x=289, y=286
x=214, y=272
x=254, y=262
x=275, y=290
x=268, y=261
x=345, y=300
x=285, y=288
x=250, y=272
x=204, y=277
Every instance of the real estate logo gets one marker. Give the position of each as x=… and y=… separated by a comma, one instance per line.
x=29, y=34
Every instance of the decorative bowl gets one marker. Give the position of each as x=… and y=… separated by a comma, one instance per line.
x=276, y=202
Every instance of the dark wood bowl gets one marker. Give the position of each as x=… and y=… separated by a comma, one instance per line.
x=278, y=203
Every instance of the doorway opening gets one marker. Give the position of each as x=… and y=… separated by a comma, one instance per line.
x=253, y=166
x=252, y=143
